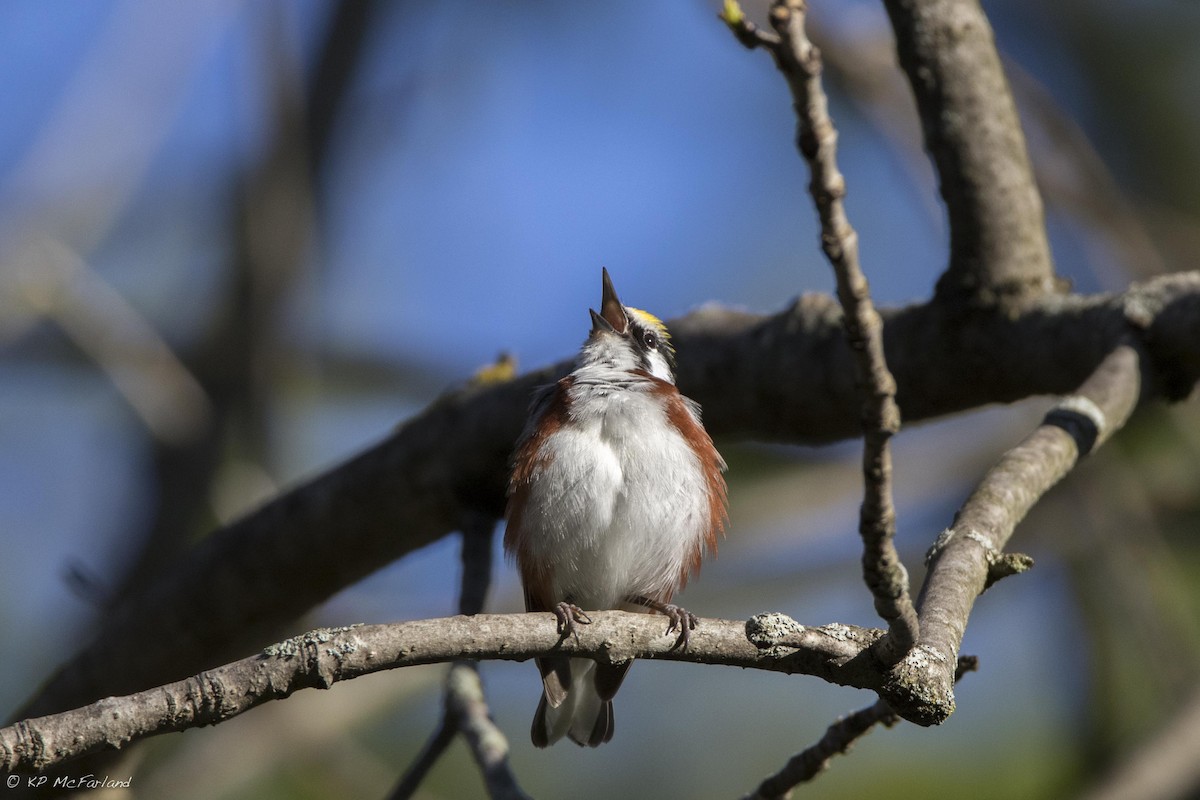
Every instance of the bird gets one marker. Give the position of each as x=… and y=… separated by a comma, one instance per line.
x=617, y=494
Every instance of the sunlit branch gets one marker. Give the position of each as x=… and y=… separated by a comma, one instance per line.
x=969, y=555
x=325, y=656
x=998, y=246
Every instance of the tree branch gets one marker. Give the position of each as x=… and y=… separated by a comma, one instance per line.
x=465, y=704
x=998, y=246
x=466, y=710
x=415, y=775
x=838, y=739
x=267, y=568
x=963, y=561
x=816, y=137
x=325, y=656
x=1163, y=766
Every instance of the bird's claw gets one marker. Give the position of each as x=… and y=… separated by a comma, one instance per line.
x=567, y=615
x=681, y=620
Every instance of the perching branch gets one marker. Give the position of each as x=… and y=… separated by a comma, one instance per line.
x=325, y=656
x=269, y=567
x=964, y=560
x=800, y=63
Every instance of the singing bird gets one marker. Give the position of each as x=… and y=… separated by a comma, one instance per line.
x=616, y=496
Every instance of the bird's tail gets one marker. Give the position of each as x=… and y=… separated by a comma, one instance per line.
x=583, y=715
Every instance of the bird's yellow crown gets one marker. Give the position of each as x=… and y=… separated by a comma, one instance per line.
x=651, y=321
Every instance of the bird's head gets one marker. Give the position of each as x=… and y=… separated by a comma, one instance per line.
x=629, y=338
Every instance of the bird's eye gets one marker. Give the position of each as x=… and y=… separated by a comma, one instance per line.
x=650, y=339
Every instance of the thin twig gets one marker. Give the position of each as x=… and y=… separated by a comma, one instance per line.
x=466, y=706
x=414, y=776
x=838, y=739
x=800, y=63
x=476, y=577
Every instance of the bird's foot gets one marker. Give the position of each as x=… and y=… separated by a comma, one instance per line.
x=680, y=618
x=568, y=614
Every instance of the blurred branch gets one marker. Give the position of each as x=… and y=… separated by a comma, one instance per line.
x=263, y=570
x=323, y=657
x=54, y=282
x=998, y=246
x=272, y=217
x=466, y=705
x=1164, y=767
x=1133, y=594
x=838, y=739
x=969, y=555
x=337, y=65
x=1074, y=179
x=113, y=111
x=466, y=709
x=237, y=359
x=415, y=775
x=816, y=138
x=466, y=712
x=238, y=353
x=1071, y=175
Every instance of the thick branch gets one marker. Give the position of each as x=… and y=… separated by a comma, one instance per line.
x=800, y=63
x=998, y=245
x=965, y=555
x=325, y=656
x=276, y=563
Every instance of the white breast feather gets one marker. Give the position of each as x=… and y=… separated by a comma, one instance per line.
x=622, y=500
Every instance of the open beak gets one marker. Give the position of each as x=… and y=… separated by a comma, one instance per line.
x=612, y=313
